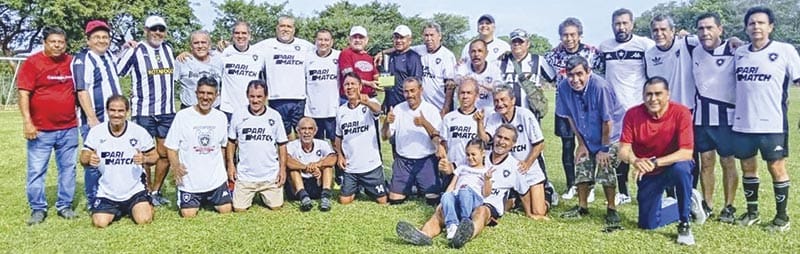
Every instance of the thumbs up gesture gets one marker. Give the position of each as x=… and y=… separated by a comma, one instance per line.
x=390, y=115
x=420, y=120
x=138, y=157
x=478, y=116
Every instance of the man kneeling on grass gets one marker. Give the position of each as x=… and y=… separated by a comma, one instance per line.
x=199, y=133
x=310, y=164
x=258, y=132
x=118, y=148
x=503, y=177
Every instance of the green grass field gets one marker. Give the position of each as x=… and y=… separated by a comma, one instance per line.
x=365, y=227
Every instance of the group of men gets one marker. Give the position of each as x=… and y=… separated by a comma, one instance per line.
x=631, y=102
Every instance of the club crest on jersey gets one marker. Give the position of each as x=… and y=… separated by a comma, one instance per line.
x=271, y=122
x=773, y=56
x=297, y=48
x=489, y=80
x=255, y=58
x=506, y=173
x=657, y=60
x=185, y=197
x=496, y=50
x=438, y=60
x=720, y=62
x=364, y=110
x=335, y=61
x=102, y=140
x=319, y=152
x=133, y=141
x=620, y=54
x=158, y=58
x=519, y=128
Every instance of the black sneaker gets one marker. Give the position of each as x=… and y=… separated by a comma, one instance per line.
x=37, y=217
x=463, y=234
x=67, y=213
x=685, y=236
x=749, y=218
x=612, y=219
x=325, y=204
x=728, y=215
x=575, y=212
x=408, y=233
x=306, y=205
x=779, y=225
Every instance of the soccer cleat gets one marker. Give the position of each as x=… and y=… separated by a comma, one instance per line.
x=749, y=218
x=728, y=215
x=612, y=219
x=575, y=212
x=685, y=236
x=325, y=204
x=779, y=225
x=570, y=193
x=158, y=199
x=412, y=235
x=697, y=208
x=305, y=204
x=554, y=198
x=463, y=233
x=451, y=231
x=67, y=213
x=621, y=199
x=590, y=198
x=37, y=217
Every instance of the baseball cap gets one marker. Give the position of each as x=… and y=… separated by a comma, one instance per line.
x=154, y=21
x=518, y=34
x=486, y=17
x=358, y=30
x=95, y=25
x=402, y=30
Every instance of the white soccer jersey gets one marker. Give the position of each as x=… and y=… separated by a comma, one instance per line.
x=97, y=75
x=258, y=137
x=319, y=150
x=528, y=134
x=238, y=69
x=675, y=65
x=357, y=128
x=322, y=85
x=494, y=49
x=470, y=177
x=437, y=66
x=625, y=68
x=505, y=178
x=285, y=64
x=190, y=71
x=456, y=130
x=151, y=71
x=488, y=77
x=412, y=141
x=716, y=85
x=120, y=177
x=762, y=82
x=200, y=141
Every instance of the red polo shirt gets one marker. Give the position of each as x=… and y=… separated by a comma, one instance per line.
x=362, y=64
x=52, y=92
x=650, y=137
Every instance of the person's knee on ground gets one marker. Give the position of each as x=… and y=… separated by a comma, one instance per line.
x=344, y=200
x=102, y=220
x=537, y=206
x=225, y=208
x=142, y=213
x=189, y=212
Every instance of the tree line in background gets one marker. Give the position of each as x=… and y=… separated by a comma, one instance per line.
x=21, y=21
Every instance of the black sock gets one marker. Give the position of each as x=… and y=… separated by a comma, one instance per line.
x=781, y=198
x=302, y=194
x=622, y=178
x=750, y=185
x=326, y=193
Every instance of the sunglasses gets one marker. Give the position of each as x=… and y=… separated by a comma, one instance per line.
x=157, y=29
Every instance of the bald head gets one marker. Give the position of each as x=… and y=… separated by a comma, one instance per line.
x=306, y=129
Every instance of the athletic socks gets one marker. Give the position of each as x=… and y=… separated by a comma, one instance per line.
x=781, y=198
x=750, y=185
x=326, y=193
x=622, y=178
x=302, y=194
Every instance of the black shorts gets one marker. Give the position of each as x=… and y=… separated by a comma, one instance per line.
x=216, y=197
x=311, y=186
x=373, y=182
x=562, y=128
x=495, y=217
x=157, y=126
x=291, y=110
x=707, y=138
x=119, y=208
x=773, y=146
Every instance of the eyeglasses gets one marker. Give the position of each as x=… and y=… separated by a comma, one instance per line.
x=157, y=29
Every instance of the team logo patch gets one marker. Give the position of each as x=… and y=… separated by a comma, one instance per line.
x=364, y=66
x=620, y=54
x=773, y=56
x=489, y=79
x=133, y=141
x=271, y=122
x=720, y=62
x=519, y=128
x=96, y=203
x=657, y=60
x=780, y=198
x=102, y=140
x=77, y=62
x=158, y=58
x=255, y=57
x=185, y=197
x=739, y=58
x=363, y=109
x=506, y=173
x=297, y=48
x=496, y=50
x=319, y=153
x=438, y=60
x=777, y=149
x=335, y=61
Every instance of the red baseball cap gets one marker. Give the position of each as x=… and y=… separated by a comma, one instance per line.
x=96, y=24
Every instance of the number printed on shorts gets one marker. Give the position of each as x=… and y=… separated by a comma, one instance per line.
x=380, y=188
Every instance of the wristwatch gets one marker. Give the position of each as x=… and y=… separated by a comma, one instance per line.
x=653, y=160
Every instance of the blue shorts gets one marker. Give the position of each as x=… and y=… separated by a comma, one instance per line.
x=707, y=138
x=495, y=215
x=291, y=111
x=157, y=126
x=373, y=182
x=119, y=208
x=216, y=197
x=313, y=189
x=773, y=146
x=326, y=128
x=420, y=172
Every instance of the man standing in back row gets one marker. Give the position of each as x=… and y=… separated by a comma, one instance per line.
x=494, y=46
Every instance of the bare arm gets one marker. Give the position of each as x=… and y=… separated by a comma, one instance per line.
x=282, y=155
x=29, y=131
x=293, y=164
x=230, y=152
x=86, y=105
x=178, y=169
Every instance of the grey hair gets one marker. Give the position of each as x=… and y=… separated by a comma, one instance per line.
x=663, y=17
x=240, y=23
x=472, y=80
x=509, y=127
x=570, y=22
x=200, y=32
x=433, y=25
x=503, y=89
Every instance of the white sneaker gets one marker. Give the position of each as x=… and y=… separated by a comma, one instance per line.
x=451, y=231
x=590, y=198
x=570, y=194
x=697, y=207
x=622, y=199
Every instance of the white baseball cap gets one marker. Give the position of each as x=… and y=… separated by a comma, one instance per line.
x=358, y=30
x=154, y=21
x=402, y=30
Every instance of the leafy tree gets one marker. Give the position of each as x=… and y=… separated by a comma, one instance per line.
x=262, y=17
x=539, y=44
